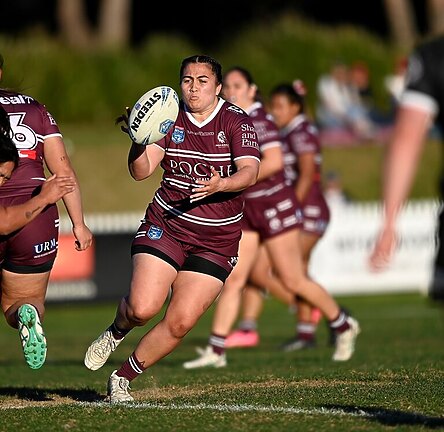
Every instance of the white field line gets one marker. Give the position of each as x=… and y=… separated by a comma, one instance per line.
x=230, y=408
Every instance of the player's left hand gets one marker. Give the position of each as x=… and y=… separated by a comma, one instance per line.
x=205, y=188
x=83, y=237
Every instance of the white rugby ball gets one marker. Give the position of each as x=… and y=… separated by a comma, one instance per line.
x=153, y=115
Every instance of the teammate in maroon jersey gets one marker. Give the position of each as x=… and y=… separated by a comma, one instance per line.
x=27, y=255
x=188, y=241
x=272, y=217
x=17, y=216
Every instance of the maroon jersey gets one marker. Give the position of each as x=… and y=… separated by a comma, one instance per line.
x=31, y=123
x=191, y=148
x=268, y=136
x=300, y=137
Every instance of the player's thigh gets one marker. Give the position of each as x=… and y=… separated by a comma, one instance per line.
x=285, y=255
x=17, y=286
x=151, y=281
x=192, y=294
x=308, y=242
x=248, y=248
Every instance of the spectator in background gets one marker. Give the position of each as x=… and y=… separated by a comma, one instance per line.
x=340, y=107
x=360, y=82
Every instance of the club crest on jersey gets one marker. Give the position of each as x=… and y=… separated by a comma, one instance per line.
x=178, y=135
x=154, y=232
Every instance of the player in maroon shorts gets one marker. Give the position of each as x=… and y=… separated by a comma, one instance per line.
x=27, y=255
x=272, y=217
x=188, y=241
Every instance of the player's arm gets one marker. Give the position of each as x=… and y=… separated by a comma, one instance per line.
x=271, y=162
x=58, y=162
x=245, y=176
x=14, y=217
x=400, y=166
x=143, y=160
x=306, y=174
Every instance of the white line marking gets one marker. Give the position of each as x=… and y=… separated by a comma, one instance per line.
x=229, y=408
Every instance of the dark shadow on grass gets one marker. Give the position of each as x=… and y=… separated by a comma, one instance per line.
x=42, y=395
x=391, y=417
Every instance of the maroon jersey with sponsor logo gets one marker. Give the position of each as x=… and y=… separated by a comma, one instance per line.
x=300, y=137
x=267, y=136
x=191, y=148
x=31, y=123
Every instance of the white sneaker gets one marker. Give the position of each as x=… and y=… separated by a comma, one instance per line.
x=207, y=357
x=118, y=389
x=345, y=342
x=99, y=351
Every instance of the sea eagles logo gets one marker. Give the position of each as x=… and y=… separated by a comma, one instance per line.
x=154, y=232
x=221, y=137
x=178, y=135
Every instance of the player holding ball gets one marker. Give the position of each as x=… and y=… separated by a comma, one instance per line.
x=188, y=240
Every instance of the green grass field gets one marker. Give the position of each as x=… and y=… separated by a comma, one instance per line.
x=395, y=381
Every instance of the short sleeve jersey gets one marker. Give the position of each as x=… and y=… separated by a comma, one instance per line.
x=268, y=136
x=300, y=137
x=424, y=84
x=31, y=124
x=191, y=148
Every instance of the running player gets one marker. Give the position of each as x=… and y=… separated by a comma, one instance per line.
x=27, y=255
x=189, y=238
x=272, y=217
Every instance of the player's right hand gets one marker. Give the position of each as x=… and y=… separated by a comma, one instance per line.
x=55, y=188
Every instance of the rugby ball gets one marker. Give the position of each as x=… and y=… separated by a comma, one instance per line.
x=153, y=115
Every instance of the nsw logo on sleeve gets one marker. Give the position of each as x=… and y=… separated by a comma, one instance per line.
x=154, y=232
x=178, y=135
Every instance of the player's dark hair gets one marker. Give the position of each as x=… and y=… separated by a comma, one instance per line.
x=247, y=77
x=214, y=64
x=289, y=91
x=8, y=151
x=1, y=61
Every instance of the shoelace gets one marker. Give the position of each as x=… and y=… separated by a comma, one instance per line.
x=103, y=345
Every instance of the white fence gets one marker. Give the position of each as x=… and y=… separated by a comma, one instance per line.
x=340, y=260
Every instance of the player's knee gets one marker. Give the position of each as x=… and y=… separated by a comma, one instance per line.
x=139, y=315
x=179, y=327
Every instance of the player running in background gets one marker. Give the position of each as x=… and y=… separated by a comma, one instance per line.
x=188, y=241
x=27, y=255
x=302, y=159
x=272, y=217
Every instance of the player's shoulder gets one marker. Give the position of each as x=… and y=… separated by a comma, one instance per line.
x=8, y=96
x=232, y=111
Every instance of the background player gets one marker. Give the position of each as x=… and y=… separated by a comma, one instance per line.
x=272, y=217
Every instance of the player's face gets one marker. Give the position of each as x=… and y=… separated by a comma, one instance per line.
x=199, y=87
x=282, y=110
x=6, y=169
x=237, y=90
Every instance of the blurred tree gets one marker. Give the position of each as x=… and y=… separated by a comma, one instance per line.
x=435, y=12
x=400, y=16
x=114, y=24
